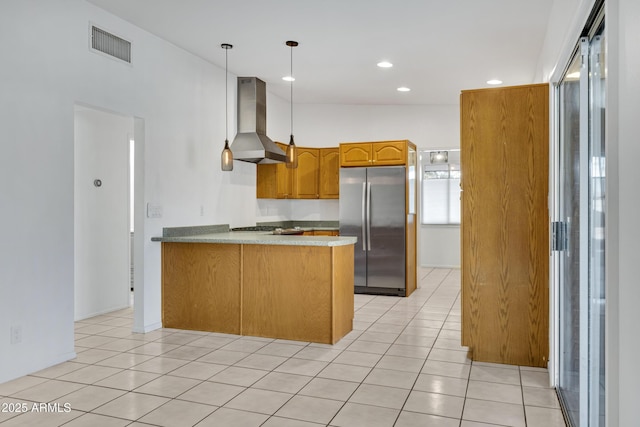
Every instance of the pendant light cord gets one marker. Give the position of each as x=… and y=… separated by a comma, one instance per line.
x=226, y=95
x=291, y=107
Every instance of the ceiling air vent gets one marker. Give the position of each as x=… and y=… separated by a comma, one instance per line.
x=110, y=44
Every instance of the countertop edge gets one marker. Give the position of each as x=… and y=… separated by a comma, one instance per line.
x=260, y=238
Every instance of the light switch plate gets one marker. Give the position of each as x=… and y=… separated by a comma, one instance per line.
x=154, y=211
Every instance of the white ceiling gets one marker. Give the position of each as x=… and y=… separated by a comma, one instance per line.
x=438, y=47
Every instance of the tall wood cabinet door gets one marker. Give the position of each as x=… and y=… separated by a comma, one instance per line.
x=389, y=153
x=266, y=181
x=505, y=241
x=305, y=176
x=284, y=178
x=356, y=154
x=284, y=181
x=329, y=178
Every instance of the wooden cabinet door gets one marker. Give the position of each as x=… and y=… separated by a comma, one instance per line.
x=329, y=179
x=274, y=181
x=284, y=178
x=505, y=241
x=266, y=181
x=389, y=153
x=326, y=233
x=305, y=176
x=356, y=154
x=284, y=182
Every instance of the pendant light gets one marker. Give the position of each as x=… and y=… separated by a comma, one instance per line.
x=292, y=156
x=227, y=155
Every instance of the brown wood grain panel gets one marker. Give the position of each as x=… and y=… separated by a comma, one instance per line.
x=342, y=295
x=285, y=295
x=329, y=177
x=356, y=154
x=274, y=181
x=201, y=287
x=411, y=254
x=389, y=153
x=266, y=181
x=306, y=175
x=504, y=149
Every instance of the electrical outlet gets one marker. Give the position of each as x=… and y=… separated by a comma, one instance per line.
x=16, y=334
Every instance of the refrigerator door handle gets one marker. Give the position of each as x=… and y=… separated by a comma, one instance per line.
x=364, y=216
x=368, y=216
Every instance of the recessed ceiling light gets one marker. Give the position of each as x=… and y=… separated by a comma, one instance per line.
x=289, y=79
x=385, y=64
x=403, y=89
x=494, y=82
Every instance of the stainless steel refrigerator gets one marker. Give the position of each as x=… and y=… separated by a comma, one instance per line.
x=372, y=208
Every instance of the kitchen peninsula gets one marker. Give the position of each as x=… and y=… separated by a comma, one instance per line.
x=256, y=283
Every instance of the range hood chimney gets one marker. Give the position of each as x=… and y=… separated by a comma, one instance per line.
x=251, y=143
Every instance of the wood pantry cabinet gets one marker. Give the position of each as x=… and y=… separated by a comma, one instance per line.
x=505, y=225
x=382, y=153
x=316, y=176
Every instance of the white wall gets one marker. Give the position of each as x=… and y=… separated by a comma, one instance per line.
x=181, y=99
x=623, y=269
x=101, y=223
x=427, y=126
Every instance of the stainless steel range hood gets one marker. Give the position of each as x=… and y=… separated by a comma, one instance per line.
x=251, y=143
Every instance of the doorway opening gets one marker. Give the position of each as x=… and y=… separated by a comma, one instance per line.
x=105, y=211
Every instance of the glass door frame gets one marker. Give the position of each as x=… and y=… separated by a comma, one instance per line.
x=591, y=49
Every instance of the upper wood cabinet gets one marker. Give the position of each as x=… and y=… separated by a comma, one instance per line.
x=504, y=146
x=329, y=177
x=316, y=176
x=274, y=181
x=356, y=154
x=305, y=176
x=382, y=153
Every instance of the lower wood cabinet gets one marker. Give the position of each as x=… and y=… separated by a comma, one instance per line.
x=302, y=293
x=190, y=298
x=321, y=233
x=326, y=233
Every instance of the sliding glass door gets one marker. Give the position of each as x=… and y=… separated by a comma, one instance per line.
x=579, y=232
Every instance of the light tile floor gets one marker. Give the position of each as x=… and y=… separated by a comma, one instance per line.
x=402, y=366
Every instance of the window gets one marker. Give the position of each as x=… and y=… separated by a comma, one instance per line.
x=441, y=187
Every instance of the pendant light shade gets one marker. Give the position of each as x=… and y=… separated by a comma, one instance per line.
x=227, y=157
x=226, y=160
x=292, y=155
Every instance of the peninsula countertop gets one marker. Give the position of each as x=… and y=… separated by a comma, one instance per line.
x=255, y=283
x=259, y=238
